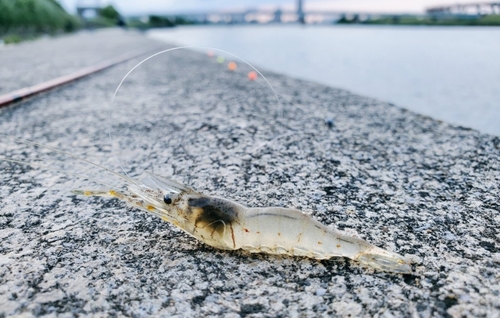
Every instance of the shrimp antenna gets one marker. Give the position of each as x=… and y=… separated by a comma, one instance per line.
x=175, y=49
x=32, y=143
x=156, y=211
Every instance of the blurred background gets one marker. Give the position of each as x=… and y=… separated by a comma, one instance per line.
x=435, y=57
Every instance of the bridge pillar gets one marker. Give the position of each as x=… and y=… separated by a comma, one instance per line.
x=300, y=12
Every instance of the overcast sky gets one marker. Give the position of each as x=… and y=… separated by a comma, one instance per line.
x=128, y=7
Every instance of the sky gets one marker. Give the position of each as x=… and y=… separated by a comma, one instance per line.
x=133, y=7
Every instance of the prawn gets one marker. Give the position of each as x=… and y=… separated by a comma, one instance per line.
x=228, y=225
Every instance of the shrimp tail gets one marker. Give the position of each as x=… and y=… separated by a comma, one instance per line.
x=384, y=260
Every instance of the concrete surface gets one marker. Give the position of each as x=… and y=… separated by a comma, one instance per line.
x=407, y=183
x=33, y=62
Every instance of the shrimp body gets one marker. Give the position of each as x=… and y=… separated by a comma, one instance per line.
x=292, y=232
x=228, y=225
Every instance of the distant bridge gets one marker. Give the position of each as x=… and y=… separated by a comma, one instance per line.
x=83, y=7
x=277, y=16
x=478, y=8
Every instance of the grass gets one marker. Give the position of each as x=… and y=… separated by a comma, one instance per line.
x=16, y=38
x=28, y=19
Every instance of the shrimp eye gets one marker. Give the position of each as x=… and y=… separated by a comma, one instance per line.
x=167, y=199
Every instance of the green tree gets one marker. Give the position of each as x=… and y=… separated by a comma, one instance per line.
x=28, y=18
x=109, y=12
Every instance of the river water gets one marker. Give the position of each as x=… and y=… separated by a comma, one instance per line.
x=448, y=73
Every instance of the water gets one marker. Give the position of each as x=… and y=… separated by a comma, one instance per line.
x=448, y=73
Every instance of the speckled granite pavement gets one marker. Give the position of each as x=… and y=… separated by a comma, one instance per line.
x=404, y=182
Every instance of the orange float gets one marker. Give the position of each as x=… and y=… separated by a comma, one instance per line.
x=231, y=66
x=252, y=76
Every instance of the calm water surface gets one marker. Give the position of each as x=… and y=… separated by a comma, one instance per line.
x=449, y=73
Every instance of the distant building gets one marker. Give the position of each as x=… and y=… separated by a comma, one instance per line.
x=88, y=8
x=479, y=8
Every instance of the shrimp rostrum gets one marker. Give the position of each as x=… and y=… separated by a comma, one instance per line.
x=228, y=225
